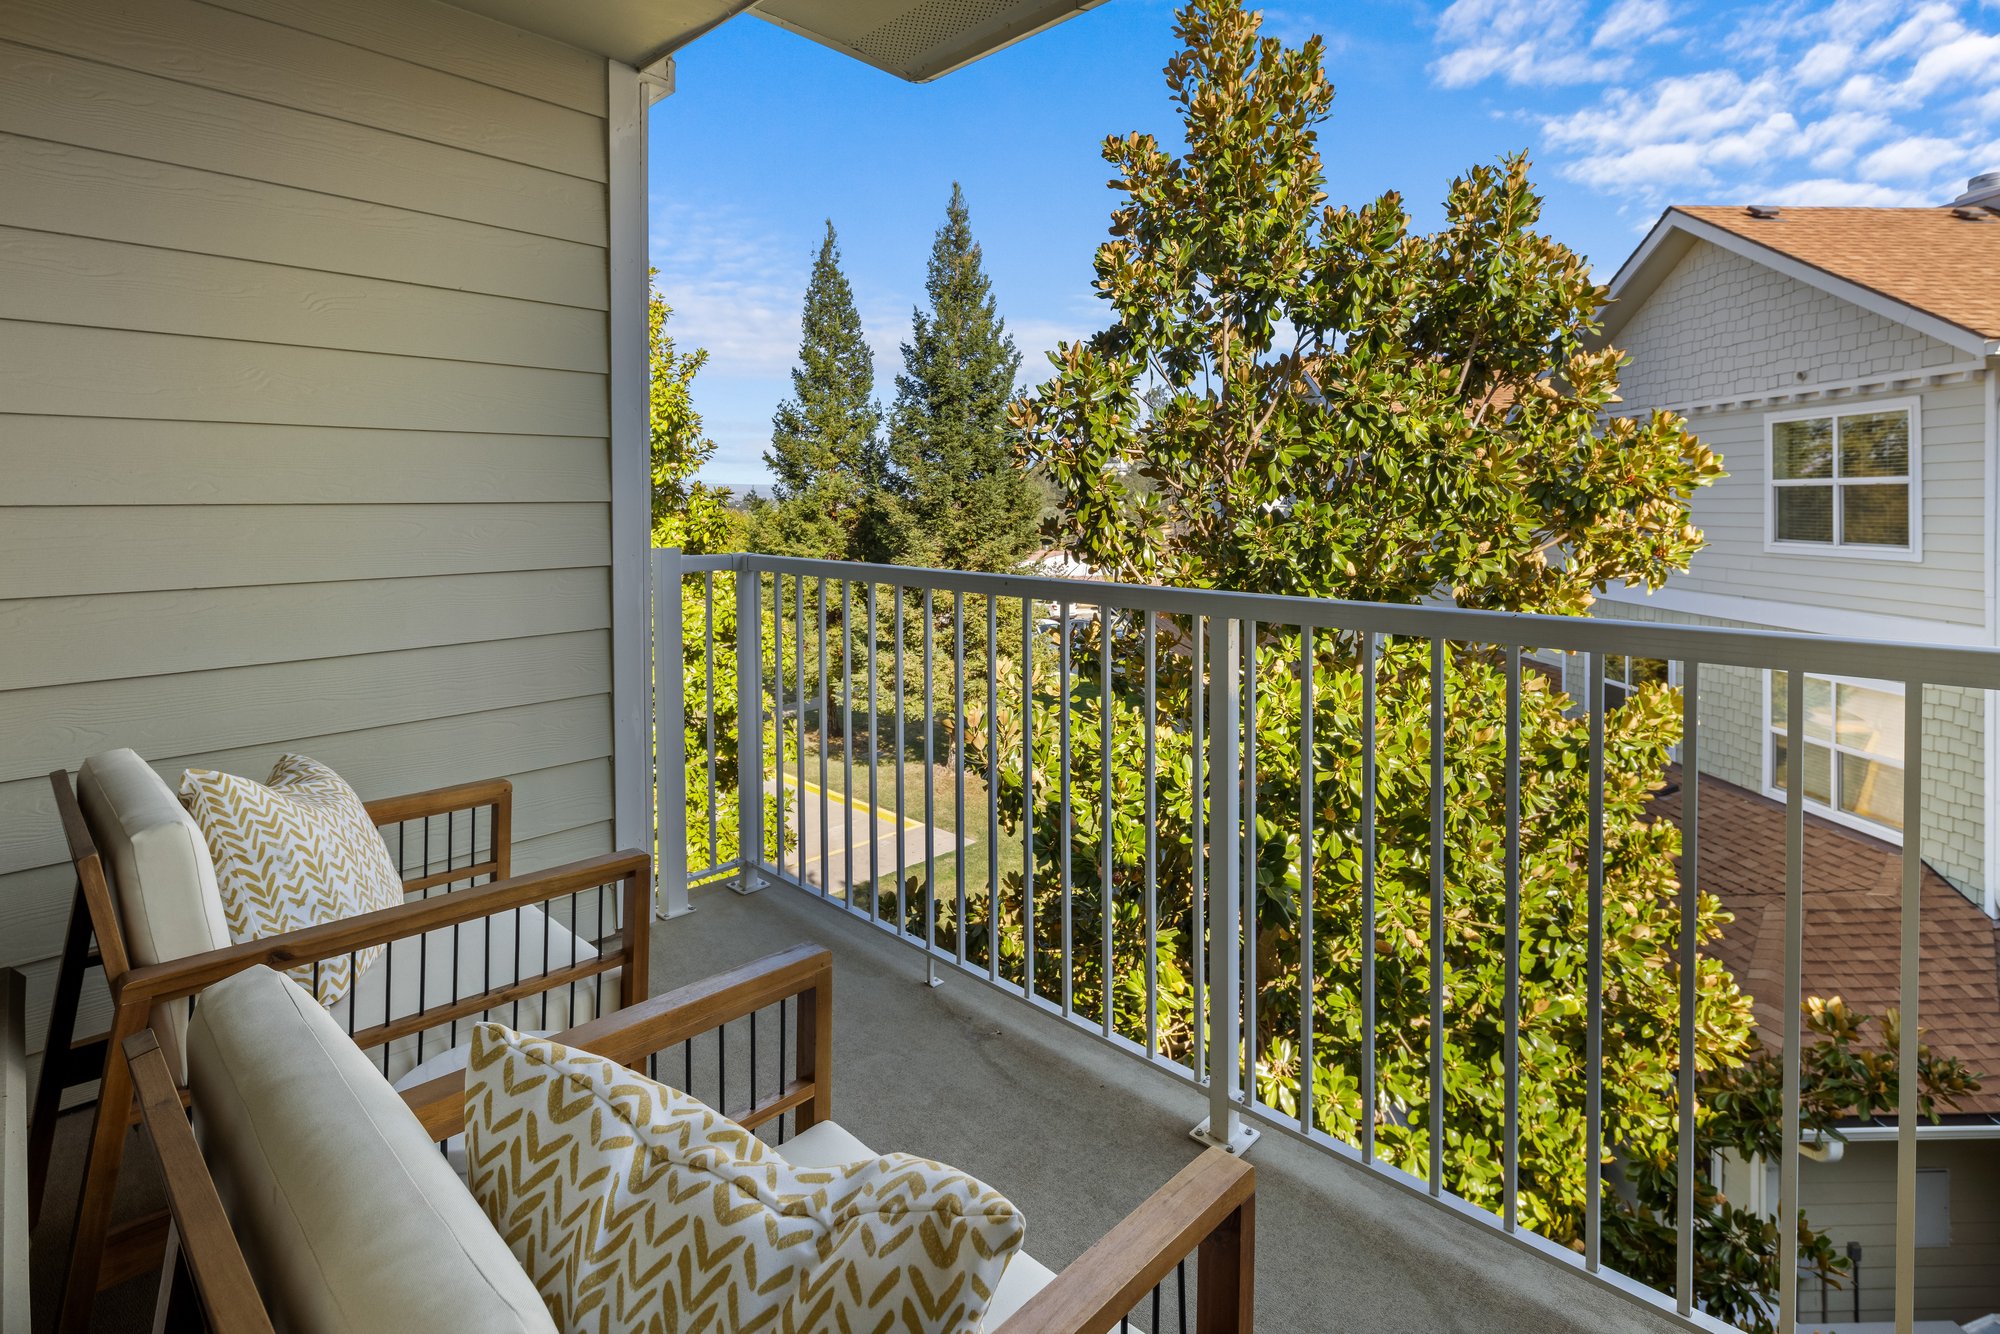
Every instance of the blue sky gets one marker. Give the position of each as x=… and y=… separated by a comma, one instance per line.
x=1625, y=106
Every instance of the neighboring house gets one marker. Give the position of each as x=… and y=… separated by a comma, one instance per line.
x=1844, y=362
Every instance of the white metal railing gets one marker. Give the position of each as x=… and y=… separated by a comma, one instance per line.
x=801, y=626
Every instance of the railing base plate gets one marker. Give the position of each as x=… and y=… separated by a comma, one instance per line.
x=1246, y=1135
x=747, y=883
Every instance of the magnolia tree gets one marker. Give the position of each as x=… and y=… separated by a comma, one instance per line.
x=1299, y=398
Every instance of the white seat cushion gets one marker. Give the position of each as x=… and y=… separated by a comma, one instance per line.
x=161, y=875
x=425, y=972
x=347, y=1215
x=828, y=1144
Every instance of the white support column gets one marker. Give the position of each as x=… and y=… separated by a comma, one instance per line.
x=631, y=462
x=1224, y=1126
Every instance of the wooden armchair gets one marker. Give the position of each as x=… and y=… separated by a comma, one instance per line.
x=447, y=888
x=1205, y=1214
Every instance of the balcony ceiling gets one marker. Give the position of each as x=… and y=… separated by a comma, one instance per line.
x=917, y=40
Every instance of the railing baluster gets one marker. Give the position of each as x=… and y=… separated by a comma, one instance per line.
x=993, y=788
x=847, y=738
x=708, y=707
x=1908, y=1089
x=1795, y=848
x=1197, y=756
x=874, y=765
x=799, y=707
x=1247, y=888
x=1511, y=1054
x=669, y=736
x=749, y=730
x=1593, y=1060
x=825, y=808
x=1068, y=832
x=1224, y=858
x=896, y=694
x=1436, y=1172
x=1147, y=643
x=930, y=795
x=1104, y=896
x=1690, y=904
x=958, y=758
x=777, y=714
x=1370, y=1094
x=1028, y=797
x=1306, y=1004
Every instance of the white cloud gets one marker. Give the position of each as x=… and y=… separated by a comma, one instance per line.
x=1916, y=158
x=1630, y=21
x=1526, y=42
x=735, y=289
x=1857, y=101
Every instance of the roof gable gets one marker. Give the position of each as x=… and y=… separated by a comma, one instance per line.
x=1922, y=267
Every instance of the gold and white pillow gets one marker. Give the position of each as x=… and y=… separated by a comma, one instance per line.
x=635, y=1207
x=294, y=852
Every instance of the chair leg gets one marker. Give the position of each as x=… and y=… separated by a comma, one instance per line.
x=56, y=1062
x=100, y=1175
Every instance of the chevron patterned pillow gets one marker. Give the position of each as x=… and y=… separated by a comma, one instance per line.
x=634, y=1207
x=291, y=853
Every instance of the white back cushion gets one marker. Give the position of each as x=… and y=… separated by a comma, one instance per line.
x=349, y=1216
x=160, y=869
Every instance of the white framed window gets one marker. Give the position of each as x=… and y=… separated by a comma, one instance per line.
x=1852, y=735
x=1845, y=482
x=1623, y=675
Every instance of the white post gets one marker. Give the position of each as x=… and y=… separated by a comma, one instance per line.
x=669, y=734
x=1225, y=1127
x=749, y=730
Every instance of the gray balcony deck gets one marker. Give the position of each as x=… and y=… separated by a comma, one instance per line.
x=1074, y=1133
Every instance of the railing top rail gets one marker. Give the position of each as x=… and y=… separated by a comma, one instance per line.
x=1933, y=664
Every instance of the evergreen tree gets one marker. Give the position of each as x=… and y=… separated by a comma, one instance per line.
x=962, y=500
x=825, y=457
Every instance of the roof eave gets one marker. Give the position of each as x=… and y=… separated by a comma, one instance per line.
x=1640, y=274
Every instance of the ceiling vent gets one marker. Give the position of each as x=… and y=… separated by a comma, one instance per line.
x=1766, y=211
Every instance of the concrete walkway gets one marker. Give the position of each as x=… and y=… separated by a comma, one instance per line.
x=1077, y=1135
x=854, y=826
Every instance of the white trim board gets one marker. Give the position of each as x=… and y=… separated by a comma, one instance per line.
x=1901, y=382
x=1775, y=615
x=631, y=460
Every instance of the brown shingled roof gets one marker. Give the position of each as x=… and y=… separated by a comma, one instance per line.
x=1853, y=889
x=1926, y=258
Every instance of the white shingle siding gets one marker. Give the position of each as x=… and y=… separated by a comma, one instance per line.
x=1732, y=749
x=1720, y=326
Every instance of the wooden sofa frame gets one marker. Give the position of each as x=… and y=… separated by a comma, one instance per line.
x=1208, y=1210
x=101, y=1255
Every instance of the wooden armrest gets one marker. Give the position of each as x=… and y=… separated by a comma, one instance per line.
x=189, y=975
x=441, y=800
x=208, y=1245
x=1209, y=1205
x=495, y=792
x=630, y=1035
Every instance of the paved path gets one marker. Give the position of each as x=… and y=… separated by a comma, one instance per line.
x=869, y=832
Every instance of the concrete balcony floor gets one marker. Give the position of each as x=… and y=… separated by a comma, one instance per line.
x=1076, y=1134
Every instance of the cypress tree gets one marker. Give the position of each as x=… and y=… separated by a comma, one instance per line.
x=962, y=502
x=825, y=455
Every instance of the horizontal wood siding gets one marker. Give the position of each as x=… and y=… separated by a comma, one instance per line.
x=1948, y=584
x=303, y=412
x=1855, y=1200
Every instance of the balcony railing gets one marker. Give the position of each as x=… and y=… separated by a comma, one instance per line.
x=811, y=683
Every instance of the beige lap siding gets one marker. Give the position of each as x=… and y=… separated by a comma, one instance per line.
x=303, y=411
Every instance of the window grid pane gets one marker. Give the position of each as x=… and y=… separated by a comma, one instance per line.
x=1843, y=480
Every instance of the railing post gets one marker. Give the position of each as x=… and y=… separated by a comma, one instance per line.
x=670, y=835
x=749, y=730
x=1224, y=1126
